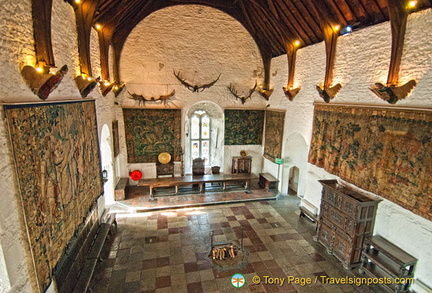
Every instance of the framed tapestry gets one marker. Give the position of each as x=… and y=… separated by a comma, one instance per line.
x=150, y=132
x=57, y=159
x=387, y=151
x=116, y=138
x=274, y=127
x=243, y=127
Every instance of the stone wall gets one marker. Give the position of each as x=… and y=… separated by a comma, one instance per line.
x=16, y=51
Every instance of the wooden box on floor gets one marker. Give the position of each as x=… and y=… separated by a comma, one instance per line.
x=346, y=218
x=121, y=189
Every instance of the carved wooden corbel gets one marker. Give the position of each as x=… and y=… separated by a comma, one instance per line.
x=391, y=92
x=326, y=91
x=330, y=32
x=105, y=36
x=86, y=84
x=117, y=89
x=41, y=14
x=264, y=90
x=289, y=90
x=42, y=84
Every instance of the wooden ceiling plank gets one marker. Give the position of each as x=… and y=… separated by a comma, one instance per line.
x=336, y=13
x=291, y=20
x=306, y=20
x=359, y=13
x=345, y=10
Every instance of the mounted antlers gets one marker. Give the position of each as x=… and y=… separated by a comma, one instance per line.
x=195, y=88
x=242, y=99
x=142, y=100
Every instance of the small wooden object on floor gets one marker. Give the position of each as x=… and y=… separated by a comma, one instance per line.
x=267, y=181
x=121, y=188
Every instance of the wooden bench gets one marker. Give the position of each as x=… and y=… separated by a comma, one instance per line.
x=267, y=181
x=76, y=267
x=121, y=189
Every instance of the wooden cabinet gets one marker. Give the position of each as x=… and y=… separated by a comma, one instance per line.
x=382, y=259
x=346, y=217
x=241, y=164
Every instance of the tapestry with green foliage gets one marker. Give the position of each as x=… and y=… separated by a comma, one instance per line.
x=150, y=132
x=57, y=159
x=243, y=127
x=381, y=150
x=274, y=127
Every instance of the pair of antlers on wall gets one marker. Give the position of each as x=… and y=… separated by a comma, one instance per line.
x=196, y=88
x=142, y=100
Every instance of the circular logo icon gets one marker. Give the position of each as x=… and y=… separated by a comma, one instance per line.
x=238, y=280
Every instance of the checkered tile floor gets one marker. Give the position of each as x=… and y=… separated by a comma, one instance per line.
x=167, y=251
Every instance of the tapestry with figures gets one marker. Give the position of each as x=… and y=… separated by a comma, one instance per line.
x=58, y=167
x=244, y=127
x=387, y=151
x=150, y=132
x=274, y=127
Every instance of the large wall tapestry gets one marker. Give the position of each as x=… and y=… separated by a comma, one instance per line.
x=58, y=165
x=274, y=127
x=244, y=127
x=385, y=151
x=150, y=132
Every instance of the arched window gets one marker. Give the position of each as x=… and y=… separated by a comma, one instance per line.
x=200, y=136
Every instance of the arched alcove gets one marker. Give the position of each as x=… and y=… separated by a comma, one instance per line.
x=216, y=133
x=296, y=154
x=107, y=164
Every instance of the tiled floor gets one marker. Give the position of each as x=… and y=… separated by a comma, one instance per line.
x=167, y=250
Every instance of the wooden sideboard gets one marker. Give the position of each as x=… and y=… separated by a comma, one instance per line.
x=346, y=218
x=241, y=164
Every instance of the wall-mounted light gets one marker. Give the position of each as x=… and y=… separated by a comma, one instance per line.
x=336, y=28
x=98, y=26
x=104, y=176
x=411, y=4
x=296, y=43
x=346, y=30
x=77, y=2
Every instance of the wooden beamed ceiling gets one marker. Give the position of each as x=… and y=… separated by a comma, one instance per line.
x=271, y=23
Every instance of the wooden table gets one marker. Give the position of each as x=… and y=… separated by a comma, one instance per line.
x=201, y=180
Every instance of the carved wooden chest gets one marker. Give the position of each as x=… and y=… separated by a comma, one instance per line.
x=346, y=217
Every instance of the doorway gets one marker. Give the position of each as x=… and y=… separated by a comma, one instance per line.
x=293, y=180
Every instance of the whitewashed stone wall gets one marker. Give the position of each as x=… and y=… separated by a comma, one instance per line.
x=16, y=51
x=201, y=43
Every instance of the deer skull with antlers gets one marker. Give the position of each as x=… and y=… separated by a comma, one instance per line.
x=242, y=99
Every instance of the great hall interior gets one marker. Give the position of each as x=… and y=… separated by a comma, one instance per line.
x=216, y=145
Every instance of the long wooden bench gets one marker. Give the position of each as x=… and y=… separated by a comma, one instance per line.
x=76, y=267
x=121, y=189
x=267, y=181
